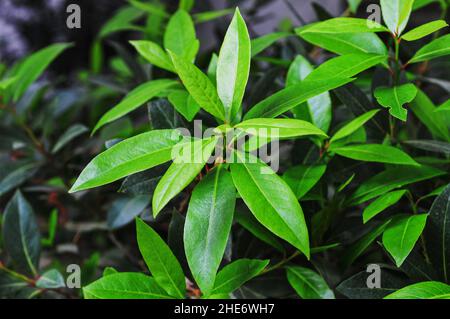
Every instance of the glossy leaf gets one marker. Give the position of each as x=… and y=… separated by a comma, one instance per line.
x=125, y=286
x=435, y=49
x=423, y=290
x=396, y=14
x=233, y=66
x=278, y=211
x=430, y=145
x=51, y=279
x=394, y=99
x=208, y=225
x=402, y=234
x=188, y=162
x=234, y=275
x=308, y=284
x=265, y=41
x=16, y=175
x=342, y=25
x=199, y=86
x=70, y=134
x=424, y=30
x=381, y=203
x=122, y=20
x=133, y=155
x=353, y=126
x=303, y=178
x=161, y=262
x=140, y=95
x=125, y=209
x=180, y=36
x=162, y=115
x=279, y=128
x=184, y=104
x=154, y=54
x=375, y=153
x=21, y=237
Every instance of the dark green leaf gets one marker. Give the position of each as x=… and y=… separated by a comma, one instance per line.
x=308, y=284
x=381, y=203
x=303, y=178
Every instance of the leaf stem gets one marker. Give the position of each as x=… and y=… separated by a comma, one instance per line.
x=281, y=263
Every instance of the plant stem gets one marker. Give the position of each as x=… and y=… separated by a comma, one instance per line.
x=281, y=263
x=16, y=275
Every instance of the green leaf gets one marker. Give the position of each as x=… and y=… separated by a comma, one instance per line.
x=154, y=54
x=233, y=66
x=435, y=49
x=140, y=95
x=122, y=20
x=444, y=107
x=162, y=115
x=250, y=223
x=423, y=290
x=51, y=226
x=346, y=43
x=354, y=4
x=437, y=234
x=308, y=284
x=301, y=179
x=288, y=98
x=160, y=260
x=401, y=235
x=424, y=109
x=396, y=14
x=180, y=36
x=260, y=44
x=353, y=126
x=21, y=237
x=199, y=86
x=430, y=145
x=354, y=251
x=211, y=15
x=188, y=162
x=16, y=176
x=124, y=209
x=133, y=155
x=381, y=203
x=125, y=286
x=5, y=83
x=187, y=4
x=424, y=30
x=394, y=99
x=184, y=104
x=234, y=275
x=33, y=66
x=391, y=179
x=345, y=66
x=51, y=279
x=278, y=211
x=419, y=4
x=342, y=25
x=318, y=109
x=208, y=225
x=279, y=128
x=70, y=134
x=375, y=153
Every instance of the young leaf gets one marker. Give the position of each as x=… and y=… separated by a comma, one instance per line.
x=161, y=262
x=199, y=86
x=290, y=97
x=342, y=25
x=233, y=66
x=381, y=203
x=184, y=104
x=354, y=4
x=423, y=290
x=435, y=49
x=394, y=99
x=278, y=211
x=438, y=235
x=375, y=153
x=33, y=66
x=234, y=275
x=140, y=95
x=424, y=30
x=133, y=155
x=180, y=36
x=184, y=169
x=346, y=43
x=187, y=5
x=208, y=225
x=391, y=179
x=122, y=20
x=72, y=132
x=445, y=107
x=353, y=126
x=21, y=235
x=308, y=284
x=402, y=234
x=396, y=14
x=260, y=44
x=279, y=128
x=51, y=279
x=303, y=178
x=318, y=109
x=154, y=54
x=125, y=285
